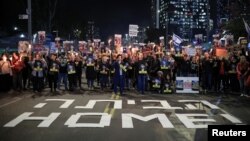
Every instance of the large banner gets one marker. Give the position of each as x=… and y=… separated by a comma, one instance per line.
x=187, y=85
x=221, y=52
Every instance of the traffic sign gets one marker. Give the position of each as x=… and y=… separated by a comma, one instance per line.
x=23, y=17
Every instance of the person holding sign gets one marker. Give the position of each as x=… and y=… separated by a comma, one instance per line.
x=119, y=75
x=38, y=67
x=104, y=71
x=53, y=72
x=79, y=66
x=71, y=68
x=5, y=74
x=90, y=73
x=141, y=73
x=242, y=68
x=17, y=69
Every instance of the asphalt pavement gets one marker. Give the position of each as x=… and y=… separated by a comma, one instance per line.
x=103, y=116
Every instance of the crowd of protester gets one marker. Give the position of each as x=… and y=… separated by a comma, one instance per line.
x=147, y=69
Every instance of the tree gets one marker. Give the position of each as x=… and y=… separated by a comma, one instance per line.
x=236, y=27
x=44, y=12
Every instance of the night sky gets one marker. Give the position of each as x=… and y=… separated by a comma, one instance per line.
x=111, y=16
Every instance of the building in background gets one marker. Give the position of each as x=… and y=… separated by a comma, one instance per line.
x=183, y=17
x=155, y=13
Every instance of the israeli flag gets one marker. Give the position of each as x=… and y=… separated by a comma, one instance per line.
x=177, y=40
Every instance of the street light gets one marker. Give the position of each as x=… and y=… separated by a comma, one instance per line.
x=22, y=36
x=15, y=28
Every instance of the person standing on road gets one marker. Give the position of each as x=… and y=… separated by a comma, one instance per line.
x=90, y=73
x=5, y=74
x=63, y=72
x=38, y=67
x=241, y=68
x=53, y=72
x=17, y=67
x=26, y=72
x=119, y=75
x=141, y=69
x=104, y=73
x=247, y=82
x=79, y=66
x=207, y=69
x=71, y=68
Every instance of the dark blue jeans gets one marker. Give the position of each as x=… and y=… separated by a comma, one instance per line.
x=90, y=83
x=104, y=81
x=119, y=81
x=64, y=77
x=141, y=83
x=207, y=81
x=37, y=84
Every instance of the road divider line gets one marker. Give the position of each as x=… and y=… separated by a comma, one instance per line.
x=106, y=110
x=112, y=111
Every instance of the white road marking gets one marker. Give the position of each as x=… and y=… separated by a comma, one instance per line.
x=131, y=101
x=40, y=105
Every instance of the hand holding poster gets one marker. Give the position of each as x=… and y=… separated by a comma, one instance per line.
x=118, y=42
x=221, y=52
x=41, y=37
x=23, y=46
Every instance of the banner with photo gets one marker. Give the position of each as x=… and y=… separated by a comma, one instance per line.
x=187, y=85
x=118, y=42
x=23, y=47
x=82, y=46
x=41, y=37
x=162, y=41
x=67, y=45
x=38, y=48
x=97, y=43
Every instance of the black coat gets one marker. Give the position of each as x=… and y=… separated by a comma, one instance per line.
x=90, y=71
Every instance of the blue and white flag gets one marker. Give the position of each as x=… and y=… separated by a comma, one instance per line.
x=177, y=40
x=247, y=27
